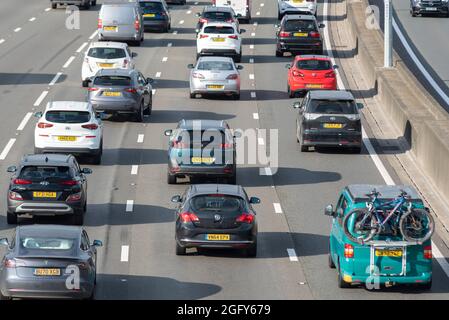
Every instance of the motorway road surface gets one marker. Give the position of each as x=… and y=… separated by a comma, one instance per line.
x=138, y=259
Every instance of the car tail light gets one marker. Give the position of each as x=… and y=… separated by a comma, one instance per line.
x=197, y=75
x=202, y=36
x=330, y=74
x=284, y=34
x=245, y=218
x=137, y=25
x=229, y=20
x=314, y=34
x=74, y=197
x=297, y=74
x=228, y=170
x=232, y=76
x=125, y=63
x=14, y=195
x=92, y=89
x=90, y=126
x=349, y=250
x=12, y=263
x=131, y=90
x=22, y=181
x=188, y=217
x=235, y=37
x=202, y=20
x=69, y=182
x=214, y=2
x=428, y=252
x=100, y=23
x=43, y=125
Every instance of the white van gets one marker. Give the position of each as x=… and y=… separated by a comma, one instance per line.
x=242, y=8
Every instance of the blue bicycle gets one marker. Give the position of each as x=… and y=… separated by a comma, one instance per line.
x=415, y=225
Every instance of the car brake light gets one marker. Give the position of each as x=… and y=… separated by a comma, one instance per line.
x=230, y=20
x=100, y=23
x=349, y=250
x=197, y=75
x=314, y=34
x=12, y=263
x=330, y=74
x=69, y=182
x=90, y=126
x=137, y=25
x=232, y=76
x=188, y=217
x=92, y=89
x=245, y=218
x=74, y=197
x=125, y=63
x=21, y=181
x=131, y=90
x=202, y=36
x=284, y=34
x=235, y=37
x=428, y=252
x=202, y=20
x=14, y=196
x=297, y=74
x=43, y=125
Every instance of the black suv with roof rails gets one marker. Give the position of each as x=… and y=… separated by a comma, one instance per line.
x=47, y=185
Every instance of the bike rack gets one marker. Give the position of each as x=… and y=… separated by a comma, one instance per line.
x=380, y=244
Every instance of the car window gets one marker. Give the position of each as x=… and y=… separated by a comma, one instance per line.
x=342, y=204
x=313, y=64
x=84, y=245
x=219, y=30
x=112, y=81
x=39, y=245
x=206, y=138
x=215, y=65
x=218, y=203
x=332, y=106
x=300, y=25
x=68, y=116
x=106, y=53
x=218, y=16
x=45, y=172
x=150, y=7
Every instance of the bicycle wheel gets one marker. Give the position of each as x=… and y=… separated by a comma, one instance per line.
x=416, y=225
x=360, y=225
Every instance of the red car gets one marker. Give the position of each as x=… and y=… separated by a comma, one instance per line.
x=310, y=72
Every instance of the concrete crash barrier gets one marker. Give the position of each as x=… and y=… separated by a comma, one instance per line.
x=414, y=113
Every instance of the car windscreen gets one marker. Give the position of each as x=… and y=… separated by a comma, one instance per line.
x=314, y=64
x=30, y=245
x=201, y=139
x=49, y=173
x=150, y=7
x=300, y=25
x=106, y=53
x=332, y=107
x=217, y=16
x=218, y=203
x=215, y=65
x=67, y=116
x=112, y=81
x=219, y=30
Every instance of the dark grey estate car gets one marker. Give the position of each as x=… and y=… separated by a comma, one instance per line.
x=47, y=185
x=85, y=4
x=429, y=7
x=49, y=261
x=121, y=91
x=328, y=118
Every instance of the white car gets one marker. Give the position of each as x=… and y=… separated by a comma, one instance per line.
x=102, y=55
x=296, y=7
x=69, y=127
x=221, y=39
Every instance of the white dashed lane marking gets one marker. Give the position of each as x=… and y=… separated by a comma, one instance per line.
x=47, y=9
x=255, y=116
x=158, y=74
x=134, y=169
x=251, y=76
x=2, y=40
x=140, y=138
x=169, y=44
x=153, y=91
x=253, y=95
x=257, y=13
x=253, y=34
x=251, y=46
x=277, y=207
x=124, y=254
x=129, y=205
x=251, y=60
x=181, y=22
x=164, y=59
x=40, y=99
x=24, y=121
x=69, y=61
x=32, y=19
x=7, y=148
x=55, y=79
x=292, y=254
x=81, y=47
x=175, y=32
x=93, y=35
x=265, y=172
x=17, y=29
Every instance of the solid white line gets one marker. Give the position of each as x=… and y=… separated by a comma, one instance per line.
x=32, y=19
x=251, y=76
x=17, y=29
x=251, y=60
x=251, y=46
x=164, y=59
x=41, y=97
x=169, y=44
x=55, y=79
x=93, y=35
x=158, y=74
x=260, y=141
x=7, y=148
x=277, y=207
x=418, y=63
x=153, y=91
x=134, y=169
x=440, y=259
x=2, y=40
x=48, y=9
x=69, y=61
x=140, y=138
x=253, y=95
x=292, y=254
x=255, y=116
x=82, y=47
x=124, y=254
x=129, y=205
x=24, y=121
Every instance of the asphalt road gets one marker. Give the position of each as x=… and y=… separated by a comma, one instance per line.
x=138, y=259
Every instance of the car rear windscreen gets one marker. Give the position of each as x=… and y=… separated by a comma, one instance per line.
x=314, y=64
x=215, y=65
x=106, y=53
x=67, y=116
x=217, y=16
x=112, y=81
x=218, y=203
x=150, y=7
x=38, y=173
x=300, y=25
x=52, y=246
x=333, y=107
x=219, y=30
x=201, y=139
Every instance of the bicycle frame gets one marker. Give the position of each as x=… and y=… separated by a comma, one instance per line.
x=397, y=204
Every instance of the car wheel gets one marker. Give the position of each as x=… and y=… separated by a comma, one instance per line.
x=279, y=16
x=340, y=283
x=236, y=96
x=192, y=95
x=2, y=297
x=78, y=218
x=54, y=5
x=180, y=251
x=412, y=12
x=291, y=94
x=330, y=262
x=149, y=107
x=279, y=53
x=94, y=3
x=171, y=179
x=139, y=114
x=37, y=151
x=198, y=55
x=302, y=146
x=238, y=58
x=85, y=83
x=96, y=159
x=11, y=218
x=425, y=286
x=92, y=295
x=232, y=179
x=251, y=251
x=87, y=6
x=356, y=150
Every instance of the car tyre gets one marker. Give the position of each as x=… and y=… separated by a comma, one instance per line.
x=340, y=283
x=11, y=218
x=180, y=251
x=236, y=96
x=54, y=5
x=139, y=115
x=149, y=107
x=356, y=150
x=425, y=286
x=78, y=218
x=302, y=146
x=232, y=179
x=279, y=53
x=280, y=15
x=291, y=94
x=412, y=12
x=192, y=95
x=93, y=3
x=2, y=297
x=251, y=251
x=238, y=58
x=330, y=262
x=171, y=179
x=96, y=159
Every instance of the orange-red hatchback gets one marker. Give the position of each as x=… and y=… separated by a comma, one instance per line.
x=309, y=72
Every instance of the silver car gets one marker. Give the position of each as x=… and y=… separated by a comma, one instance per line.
x=121, y=22
x=215, y=76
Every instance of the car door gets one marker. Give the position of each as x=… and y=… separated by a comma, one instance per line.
x=80, y=176
x=88, y=254
x=301, y=111
x=143, y=88
x=91, y=249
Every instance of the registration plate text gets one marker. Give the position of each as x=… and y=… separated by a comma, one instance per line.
x=218, y=237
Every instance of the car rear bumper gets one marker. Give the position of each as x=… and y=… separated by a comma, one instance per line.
x=303, y=86
x=220, y=52
x=155, y=24
x=229, y=86
x=74, y=151
x=356, y=279
x=285, y=46
x=431, y=10
x=36, y=208
x=114, y=36
x=109, y=107
x=336, y=138
x=216, y=171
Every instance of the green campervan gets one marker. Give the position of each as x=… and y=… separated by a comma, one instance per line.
x=386, y=259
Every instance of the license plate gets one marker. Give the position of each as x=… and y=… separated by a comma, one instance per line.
x=297, y=1
x=218, y=39
x=66, y=138
x=149, y=15
x=105, y=65
x=314, y=86
x=300, y=34
x=110, y=28
x=431, y=9
x=112, y=94
x=215, y=86
x=202, y=160
x=218, y=237
x=42, y=194
x=333, y=125
x=47, y=272
x=388, y=253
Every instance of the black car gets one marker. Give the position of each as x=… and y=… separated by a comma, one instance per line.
x=49, y=261
x=216, y=216
x=47, y=185
x=328, y=118
x=155, y=15
x=201, y=148
x=299, y=34
x=429, y=7
x=216, y=14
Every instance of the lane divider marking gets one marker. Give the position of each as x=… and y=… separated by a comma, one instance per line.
x=258, y=13
x=292, y=254
x=24, y=121
x=134, y=169
x=55, y=79
x=169, y=44
x=140, y=138
x=253, y=95
x=124, y=254
x=164, y=59
x=189, y=12
x=32, y=19
x=181, y=22
x=253, y=34
x=2, y=40
x=82, y=47
x=251, y=76
x=69, y=61
x=251, y=46
x=175, y=32
x=17, y=29
x=277, y=207
x=47, y=9
x=93, y=35
x=255, y=116
x=153, y=91
x=7, y=148
x=40, y=99
x=251, y=60
x=158, y=74
x=129, y=205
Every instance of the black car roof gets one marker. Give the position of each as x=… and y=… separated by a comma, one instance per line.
x=46, y=159
x=228, y=189
x=205, y=124
x=299, y=17
x=51, y=230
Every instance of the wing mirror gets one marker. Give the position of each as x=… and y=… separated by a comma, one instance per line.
x=4, y=242
x=321, y=25
x=288, y=66
x=176, y=199
x=150, y=80
x=254, y=200
x=237, y=134
x=38, y=114
x=86, y=171
x=97, y=243
x=335, y=67
x=239, y=67
x=11, y=169
x=360, y=105
x=198, y=14
x=242, y=31
x=190, y=66
x=297, y=105
x=329, y=210
x=134, y=54
x=168, y=132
